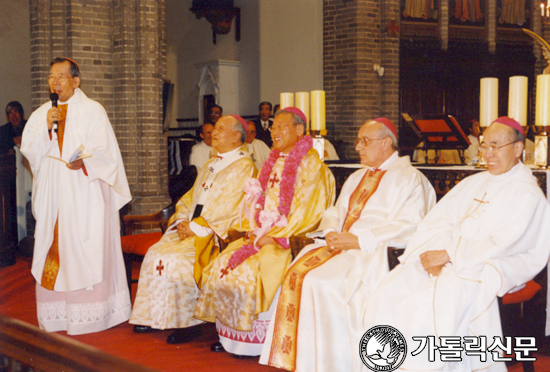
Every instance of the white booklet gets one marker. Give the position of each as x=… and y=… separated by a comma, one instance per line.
x=77, y=155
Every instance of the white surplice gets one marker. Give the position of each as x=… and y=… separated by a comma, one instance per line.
x=389, y=218
x=90, y=292
x=259, y=152
x=471, y=154
x=200, y=153
x=495, y=231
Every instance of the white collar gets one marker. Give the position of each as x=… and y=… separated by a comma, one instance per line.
x=228, y=153
x=386, y=164
x=512, y=171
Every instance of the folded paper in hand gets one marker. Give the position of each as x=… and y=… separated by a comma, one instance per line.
x=77, y=155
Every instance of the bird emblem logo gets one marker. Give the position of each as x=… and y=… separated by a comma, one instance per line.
x=383, y=348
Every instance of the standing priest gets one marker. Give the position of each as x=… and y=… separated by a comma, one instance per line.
x=77, y=262
x=380, y=206
x=487, y=236
x=167, y=290
x=293, y=190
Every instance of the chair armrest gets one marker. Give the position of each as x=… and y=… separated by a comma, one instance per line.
x=161, y=216
x=233, y=235
x=393, y=254
x=297, y=243
x=163, y=224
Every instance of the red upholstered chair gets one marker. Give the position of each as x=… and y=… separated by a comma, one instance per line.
x=513, y=319
x=134, y=247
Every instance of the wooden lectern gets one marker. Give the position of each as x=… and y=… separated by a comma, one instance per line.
x=438, y=132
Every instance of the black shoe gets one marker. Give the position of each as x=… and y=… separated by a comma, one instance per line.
x=144, y=329
x=237, y=356
x=183, y=335
x=217, y=347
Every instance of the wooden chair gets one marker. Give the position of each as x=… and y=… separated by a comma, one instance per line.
x=134, y=247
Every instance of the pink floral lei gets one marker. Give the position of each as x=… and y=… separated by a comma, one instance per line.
x=288, y=178
x=286, y=193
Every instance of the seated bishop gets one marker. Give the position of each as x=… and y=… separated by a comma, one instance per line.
x=380, y=206
x=486, y=237
x=167, y=288
x=293, y=190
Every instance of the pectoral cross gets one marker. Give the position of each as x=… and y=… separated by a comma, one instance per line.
x=274, y=180
x=471, y=213
x=481, y=201
x=160, y=267
x=224, y=272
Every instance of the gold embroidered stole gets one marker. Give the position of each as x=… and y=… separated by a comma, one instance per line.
x=283, y=347
x=51, y=266
x=205, y=251
x=368, y=185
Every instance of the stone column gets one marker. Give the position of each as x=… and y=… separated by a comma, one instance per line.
x=355, y=39
x=120, y=46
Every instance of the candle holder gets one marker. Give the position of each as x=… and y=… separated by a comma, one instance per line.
x=318, y=142
x=481, y=163
x=542, y=155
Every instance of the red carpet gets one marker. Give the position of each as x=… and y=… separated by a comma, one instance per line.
x=17, y=300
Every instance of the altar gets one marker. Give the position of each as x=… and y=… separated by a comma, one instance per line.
x=442, y=178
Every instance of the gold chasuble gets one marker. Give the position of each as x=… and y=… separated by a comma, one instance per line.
x=234, y=297
x=51, y=267
x=283, y=347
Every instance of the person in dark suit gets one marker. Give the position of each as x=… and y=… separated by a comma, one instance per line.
x=263, y=123
x=10, y=133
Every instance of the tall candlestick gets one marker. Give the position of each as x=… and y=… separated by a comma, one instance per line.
x=517, y=99
x=542, y=111
x=302, y=102
x=286, y=100
x=488, y=101
x=318, y=110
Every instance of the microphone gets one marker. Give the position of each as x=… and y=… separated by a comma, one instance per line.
x=54, y=97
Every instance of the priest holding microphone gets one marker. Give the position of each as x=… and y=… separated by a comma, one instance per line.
x=79, y=186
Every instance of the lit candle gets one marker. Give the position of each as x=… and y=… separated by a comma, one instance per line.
x=542, y=112
x=286, y=100
x=517, y=99
x=488, y=101
x=302, y=102
x=318, y=110
x=542, y=9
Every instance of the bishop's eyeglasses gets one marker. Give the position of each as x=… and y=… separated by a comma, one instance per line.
x=493, y=148
x=364, y=141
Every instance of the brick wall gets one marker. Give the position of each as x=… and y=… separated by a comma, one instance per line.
x=120, y=46
x=355, y=39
